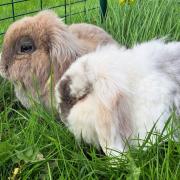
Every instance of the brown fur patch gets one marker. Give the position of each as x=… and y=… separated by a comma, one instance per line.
x=68, y=100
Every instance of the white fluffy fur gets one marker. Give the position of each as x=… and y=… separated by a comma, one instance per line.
x=129, y=93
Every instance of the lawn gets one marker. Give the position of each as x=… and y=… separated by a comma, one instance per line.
x=35, y=145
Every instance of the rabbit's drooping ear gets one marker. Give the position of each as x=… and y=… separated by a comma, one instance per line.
x=114, y=126
x=64, y=47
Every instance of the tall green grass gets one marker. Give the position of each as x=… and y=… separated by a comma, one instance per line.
x=36, y=143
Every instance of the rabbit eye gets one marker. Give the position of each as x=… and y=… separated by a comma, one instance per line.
x=26, y=45
x=26, y=48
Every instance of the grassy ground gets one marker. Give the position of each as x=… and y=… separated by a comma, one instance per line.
x=41, y=148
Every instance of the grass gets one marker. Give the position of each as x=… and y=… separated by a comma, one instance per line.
x=36, y=143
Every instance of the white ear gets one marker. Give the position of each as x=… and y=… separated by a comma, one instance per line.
x=114, y=124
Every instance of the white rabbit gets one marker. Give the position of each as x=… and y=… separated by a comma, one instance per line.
x=114, y=95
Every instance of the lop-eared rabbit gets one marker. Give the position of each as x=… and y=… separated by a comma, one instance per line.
x=37, y=51
x=113, y=95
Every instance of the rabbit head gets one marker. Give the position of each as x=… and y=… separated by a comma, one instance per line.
x=92, y=103
x=33, y=49
x=37, y=50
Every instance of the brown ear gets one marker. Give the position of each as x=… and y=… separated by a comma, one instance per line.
x=114, y=124
x=64, y=46
x=121, y=111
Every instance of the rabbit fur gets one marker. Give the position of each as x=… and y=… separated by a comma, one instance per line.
x=37, y=50
x=113, y=95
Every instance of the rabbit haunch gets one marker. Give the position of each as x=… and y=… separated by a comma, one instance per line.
x=37, y=47
x=129, y=91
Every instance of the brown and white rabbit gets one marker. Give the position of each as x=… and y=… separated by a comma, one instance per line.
x=38, y=48
x=114, y=95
